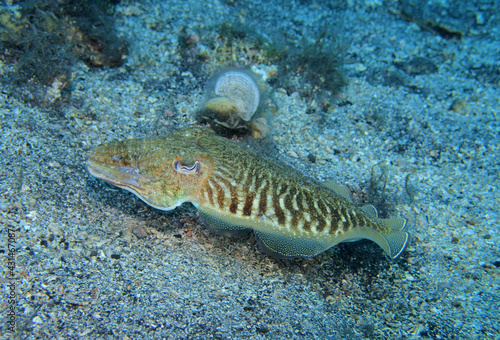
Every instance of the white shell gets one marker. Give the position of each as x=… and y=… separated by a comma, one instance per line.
x=241, y=89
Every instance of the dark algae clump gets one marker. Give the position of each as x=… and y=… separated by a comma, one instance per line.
x=319, y=62
x=43, y=39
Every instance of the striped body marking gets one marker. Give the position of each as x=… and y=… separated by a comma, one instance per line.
x=238, y=191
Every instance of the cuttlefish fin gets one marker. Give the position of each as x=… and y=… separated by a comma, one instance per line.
x=340, y=190
x=370, y=210
x=288, y=247
x=397, y=238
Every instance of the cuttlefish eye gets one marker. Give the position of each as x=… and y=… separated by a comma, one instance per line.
x=186, y=168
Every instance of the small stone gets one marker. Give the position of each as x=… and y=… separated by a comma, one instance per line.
x=480, y=18
x=460, y=106
x=417, y=65
x=5, y=206
x=264, y=71
x=469, y=232
x=37, y=320
x=409, y=277
x=140, y=231
x=262, y=329
x=360, y=67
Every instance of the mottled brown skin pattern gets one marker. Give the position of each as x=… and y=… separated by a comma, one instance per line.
x=152, y=158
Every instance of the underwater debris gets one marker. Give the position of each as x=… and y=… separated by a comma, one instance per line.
x=411, y=190
x=232, y=98
x=238, y=88
x=381, y=176
x=375, y=179
x=190, y=47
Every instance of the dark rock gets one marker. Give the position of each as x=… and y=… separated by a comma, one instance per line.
x=262, y=329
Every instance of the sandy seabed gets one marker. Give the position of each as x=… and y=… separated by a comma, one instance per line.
x=83, y=259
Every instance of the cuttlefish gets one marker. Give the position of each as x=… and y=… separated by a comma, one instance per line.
x=238, y=191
